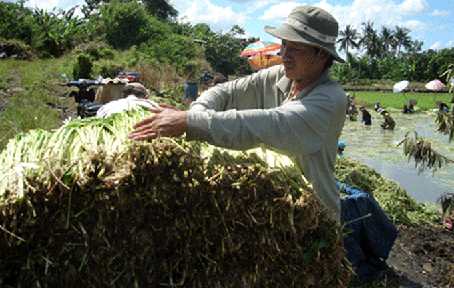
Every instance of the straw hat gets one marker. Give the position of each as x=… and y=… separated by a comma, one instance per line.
x=382, y=111
x=413, y=101
x=309, y=25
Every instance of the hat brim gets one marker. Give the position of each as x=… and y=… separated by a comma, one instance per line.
x=286, y=32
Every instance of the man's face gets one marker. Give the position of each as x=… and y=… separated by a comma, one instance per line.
x=300, y=60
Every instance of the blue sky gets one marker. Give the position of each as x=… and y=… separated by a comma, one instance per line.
x=430, y=21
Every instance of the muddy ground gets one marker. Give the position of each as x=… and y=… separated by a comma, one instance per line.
x=422, y=257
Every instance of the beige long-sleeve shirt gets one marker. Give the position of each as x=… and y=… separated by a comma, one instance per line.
x=248, y=112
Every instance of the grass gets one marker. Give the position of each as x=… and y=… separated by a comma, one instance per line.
x=28, y=87
x=389, y=100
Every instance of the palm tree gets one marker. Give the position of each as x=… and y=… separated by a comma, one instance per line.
x=402, y=38
x=368, y=30
x=386, y=39
x=348, y=38
x=374, y=46
x=370, y=40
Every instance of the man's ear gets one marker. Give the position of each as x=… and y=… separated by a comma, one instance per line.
x=322, y=55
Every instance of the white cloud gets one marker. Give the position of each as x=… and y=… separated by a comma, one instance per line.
x=45, y=5
x=279, y=12
x=413, y=6
x=256, y=6
x=447, y=26
x=362, y=11
x=415, y=25
x=218, y=18
x=437, y=12
x=241, y=1
x=49, y=5
x=436, y=45
x=450, y=44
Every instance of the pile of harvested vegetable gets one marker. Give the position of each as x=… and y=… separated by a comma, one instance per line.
x=85, y=207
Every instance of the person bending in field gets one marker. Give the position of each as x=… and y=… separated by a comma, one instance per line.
x=367, y=119
x=389, y=122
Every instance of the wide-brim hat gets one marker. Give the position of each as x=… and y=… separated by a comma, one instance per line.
x=309, y=25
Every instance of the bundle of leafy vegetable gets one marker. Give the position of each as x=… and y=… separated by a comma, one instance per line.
x=86, y=207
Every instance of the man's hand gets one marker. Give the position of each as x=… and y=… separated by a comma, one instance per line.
x=167, y=122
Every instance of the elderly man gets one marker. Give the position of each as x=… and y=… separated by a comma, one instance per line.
x=295, y=108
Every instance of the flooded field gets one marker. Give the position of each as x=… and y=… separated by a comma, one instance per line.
x=377, y=148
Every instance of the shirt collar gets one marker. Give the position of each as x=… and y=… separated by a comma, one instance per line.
x=285, y=84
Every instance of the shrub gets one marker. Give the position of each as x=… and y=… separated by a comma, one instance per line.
x=82, y=68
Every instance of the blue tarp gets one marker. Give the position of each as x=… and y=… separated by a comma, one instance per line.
x=371, y=238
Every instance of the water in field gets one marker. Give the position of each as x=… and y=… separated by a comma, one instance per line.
x=376, y=148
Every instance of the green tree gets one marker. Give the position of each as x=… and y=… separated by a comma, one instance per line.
x=161, y=9
x=348, y=38
x=387, y=40
x=402, y=38
x=176, y=50
x=439, y=63
x=128, y=24
x=15, y=21
x=222, y=50
x=202, y=31
x=370, y=40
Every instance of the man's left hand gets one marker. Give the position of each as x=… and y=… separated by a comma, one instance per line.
x=167, y=122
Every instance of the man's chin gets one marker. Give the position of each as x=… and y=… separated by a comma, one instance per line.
x=289, y=73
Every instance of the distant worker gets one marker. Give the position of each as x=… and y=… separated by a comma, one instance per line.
x=367, y=119
x=389, y=122
x=349, y=101
x=442, y=107
x=409, y=106
x=377, y=106
x=406, y=109
x=340, y=149
x=352, y=112
x=134, y=96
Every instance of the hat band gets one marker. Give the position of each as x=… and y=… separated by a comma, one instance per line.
x=308, y=30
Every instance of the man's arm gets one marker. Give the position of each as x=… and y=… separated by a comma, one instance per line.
x=294, y=128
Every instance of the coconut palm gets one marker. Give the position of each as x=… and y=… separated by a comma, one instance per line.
x=402, y=38
x=370, y=40
x=368, y=30
x=348, y=38
x=386, y=39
